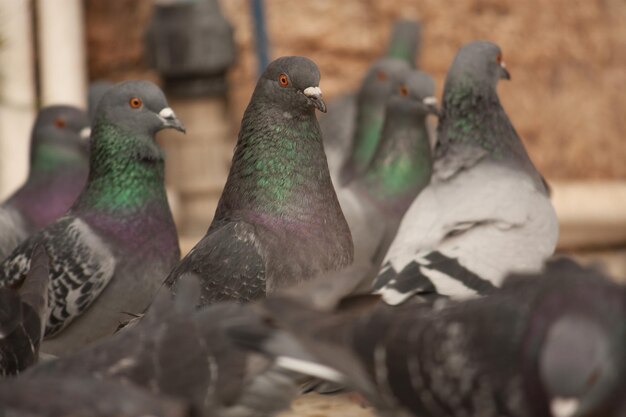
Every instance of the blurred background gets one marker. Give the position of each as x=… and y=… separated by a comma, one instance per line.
x=566, y=97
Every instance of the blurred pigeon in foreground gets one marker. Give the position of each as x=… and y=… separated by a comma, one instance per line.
x=486, y=212
x=23, y=315
x=110, y=253
x=551, y=344
x=339, y=124
x=64, y=396
x=59, y=164
x=185, y=353
x=278, y=219
x=375, y=203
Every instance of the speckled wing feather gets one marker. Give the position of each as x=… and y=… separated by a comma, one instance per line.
x=465, y=232
x=22, y=317
x=81, y=265
x=184, y=353
x=229, y=262
x=12, y=230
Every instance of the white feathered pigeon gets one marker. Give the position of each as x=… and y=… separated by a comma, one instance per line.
x=487, y=210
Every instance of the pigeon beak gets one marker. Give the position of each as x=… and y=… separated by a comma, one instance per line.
x=314, y=94
x=85, y=133
x=504, y=73
x=431, y=105
x=169, y=119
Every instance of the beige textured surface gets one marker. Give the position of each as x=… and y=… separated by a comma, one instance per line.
x=567, y=58
x=313, y=405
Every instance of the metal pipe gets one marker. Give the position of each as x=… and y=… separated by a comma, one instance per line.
x=61, y=37
x=260, y=34
x=17, y=92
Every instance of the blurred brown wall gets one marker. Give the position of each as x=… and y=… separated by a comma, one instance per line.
x=567, y=58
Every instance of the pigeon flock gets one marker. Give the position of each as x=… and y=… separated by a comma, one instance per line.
x=369, y=252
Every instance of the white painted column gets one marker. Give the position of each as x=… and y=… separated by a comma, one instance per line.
x=17, y=92
x=63, y=65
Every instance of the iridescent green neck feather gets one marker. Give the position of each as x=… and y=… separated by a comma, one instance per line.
x=402, y=165
x=48, y=158
x=279, y=170
x=369, y=123
x=474, y=117
x=126, y=172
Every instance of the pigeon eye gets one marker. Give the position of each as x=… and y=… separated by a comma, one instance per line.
x=59, y=122
x=135, y=102
x=283, y=80
x=381, y=75
x=499, y=58
x=404, y=91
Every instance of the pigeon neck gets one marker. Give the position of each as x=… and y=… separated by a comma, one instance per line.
x=48, y=159
x=48, y=194
x=279, y=169
x=126, y=172
x=369, y=123
x=402, y=164
x=473, y=117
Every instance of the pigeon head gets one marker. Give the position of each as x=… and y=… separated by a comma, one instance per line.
x=576, y=338
x=60, y=133
x=138, y=107
x=582, y=364
x=292, y=83
x=418, y=88
x=479, y=62
x=381, y=78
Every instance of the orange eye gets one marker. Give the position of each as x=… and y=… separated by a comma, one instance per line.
x=59, y=122
x=499, y=58
x=135, y=102
x=404, y=91
x=381, y=75
x=283, y=80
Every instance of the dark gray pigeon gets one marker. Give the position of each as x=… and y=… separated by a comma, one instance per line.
x=339, y=124
x=487, y=211
x=551, y=344
x=186, y=354
x=23, y=314
x=110, y=253
x=278, y=219
x=59, y=165
x=64, y=396
x=401, y=167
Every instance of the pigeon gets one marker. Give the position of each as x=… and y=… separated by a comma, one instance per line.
x=85, y=397
x=111, y=252
x=186, y=354
x=22, y=317
x=547, y=344
x=339, y=124
x=278, y=219
x=59, y=165
x=378, y=84
x=97, y=89
x=486, y=211
x=401, y=167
